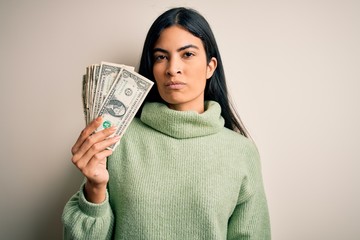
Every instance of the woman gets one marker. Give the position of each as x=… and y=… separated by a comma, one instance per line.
x=185, y=168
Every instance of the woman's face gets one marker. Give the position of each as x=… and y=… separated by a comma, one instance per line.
x=181, y=69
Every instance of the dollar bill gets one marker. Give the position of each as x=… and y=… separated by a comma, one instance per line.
x=84, y=95
x=88, y=85
x=123, y=101
x=95, y=70
x=107, y=75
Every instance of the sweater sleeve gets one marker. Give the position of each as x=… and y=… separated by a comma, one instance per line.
x=85, y=220
x=250, y=218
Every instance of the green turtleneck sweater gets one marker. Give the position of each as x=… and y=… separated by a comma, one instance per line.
x=176, y=175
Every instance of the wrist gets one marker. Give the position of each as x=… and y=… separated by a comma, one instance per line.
x=95, y=193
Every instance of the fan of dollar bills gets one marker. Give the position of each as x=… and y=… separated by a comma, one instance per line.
x=114, y=91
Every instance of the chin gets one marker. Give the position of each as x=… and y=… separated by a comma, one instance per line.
x=172, y=99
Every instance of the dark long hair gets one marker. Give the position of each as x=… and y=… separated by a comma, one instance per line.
x=215, y=88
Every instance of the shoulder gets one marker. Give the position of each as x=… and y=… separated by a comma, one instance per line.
x=248, y=163
x=240, y=142
x=244, y=150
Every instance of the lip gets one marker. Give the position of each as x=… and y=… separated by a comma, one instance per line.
x=175, y=84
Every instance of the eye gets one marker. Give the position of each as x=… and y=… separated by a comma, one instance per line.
x=189, y=54
x=159, y=58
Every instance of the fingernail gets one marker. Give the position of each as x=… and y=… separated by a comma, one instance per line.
x=116, y=138
x=99, y=119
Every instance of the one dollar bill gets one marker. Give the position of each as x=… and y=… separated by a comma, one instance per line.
x=107, y=75
x=123, y=100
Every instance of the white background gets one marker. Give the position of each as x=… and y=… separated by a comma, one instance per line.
x=293, y=69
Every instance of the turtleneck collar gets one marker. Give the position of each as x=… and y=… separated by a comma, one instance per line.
x=183, y=124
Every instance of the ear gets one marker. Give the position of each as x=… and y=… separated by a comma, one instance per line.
x=211, y=67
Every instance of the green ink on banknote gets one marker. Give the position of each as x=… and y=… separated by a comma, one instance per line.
x=106, y=124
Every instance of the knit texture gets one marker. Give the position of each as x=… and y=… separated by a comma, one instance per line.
x=176, y=175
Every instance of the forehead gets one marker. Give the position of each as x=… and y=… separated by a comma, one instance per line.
x=175, y=37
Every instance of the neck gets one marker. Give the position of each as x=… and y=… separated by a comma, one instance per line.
x=195, y=107
x=183, y=124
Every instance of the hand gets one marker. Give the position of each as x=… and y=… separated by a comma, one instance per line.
x=89, y=156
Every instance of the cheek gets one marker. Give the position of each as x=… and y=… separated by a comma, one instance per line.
x=200, y=74
x=157, y=72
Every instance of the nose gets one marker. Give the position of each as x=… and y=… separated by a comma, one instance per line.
x=174, y=67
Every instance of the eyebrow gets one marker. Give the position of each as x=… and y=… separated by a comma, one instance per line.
x=178, y=50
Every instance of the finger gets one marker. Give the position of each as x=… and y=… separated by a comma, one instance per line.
x=82, y=161
x=96, y=138
x=92, y=169
x=85, y=133
x=100, y=146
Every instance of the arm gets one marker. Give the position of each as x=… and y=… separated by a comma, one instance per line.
x=250, y=219
x=85, y=220
x=88, y=214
